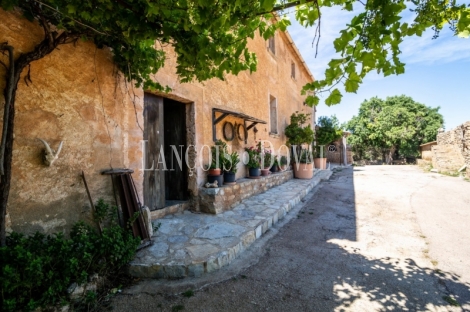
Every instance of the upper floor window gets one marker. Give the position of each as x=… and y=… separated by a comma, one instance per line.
x=292, y=70
x=272, y=45
x=273, y=114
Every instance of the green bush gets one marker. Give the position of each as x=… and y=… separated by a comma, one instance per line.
x=37, y=270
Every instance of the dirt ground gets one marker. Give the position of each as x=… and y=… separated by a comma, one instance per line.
x=372, y=238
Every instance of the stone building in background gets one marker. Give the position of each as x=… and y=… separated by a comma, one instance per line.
x=452, y=151
x=79, y=98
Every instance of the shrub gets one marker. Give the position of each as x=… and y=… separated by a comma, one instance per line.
x=36, y=270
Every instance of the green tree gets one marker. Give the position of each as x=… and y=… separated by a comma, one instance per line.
x=396, y=125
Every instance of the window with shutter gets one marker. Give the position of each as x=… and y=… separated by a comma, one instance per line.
x=273, y=114
x=272, y=45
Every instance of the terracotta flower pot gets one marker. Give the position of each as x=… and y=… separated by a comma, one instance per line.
x=264, y=172
x=320, y=163
x=303, y=171
x=214, y=172
x=283, y=167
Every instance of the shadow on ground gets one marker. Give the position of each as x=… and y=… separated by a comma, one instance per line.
x=314, y=265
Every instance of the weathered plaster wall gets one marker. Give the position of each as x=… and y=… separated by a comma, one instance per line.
x=453, y=149
x=246, y=93
x=76, y=97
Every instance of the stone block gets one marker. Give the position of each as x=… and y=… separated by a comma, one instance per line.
x=196, y=270
x=212, y=265
x=259, y=231
x=175, y=271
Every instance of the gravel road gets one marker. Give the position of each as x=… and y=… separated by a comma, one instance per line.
x=372, y=238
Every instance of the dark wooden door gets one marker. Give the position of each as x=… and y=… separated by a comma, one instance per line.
x=176, y=177
x=154, y=180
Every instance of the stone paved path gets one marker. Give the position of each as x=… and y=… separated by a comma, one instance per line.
x=191, y=244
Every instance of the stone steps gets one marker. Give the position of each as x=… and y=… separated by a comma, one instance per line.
x=190, y=244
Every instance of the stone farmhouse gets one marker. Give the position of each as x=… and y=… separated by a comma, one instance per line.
x=79, y=98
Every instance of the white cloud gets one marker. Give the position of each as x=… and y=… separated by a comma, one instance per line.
x=415, y=50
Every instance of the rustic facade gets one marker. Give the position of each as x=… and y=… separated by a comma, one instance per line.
x=77, y=96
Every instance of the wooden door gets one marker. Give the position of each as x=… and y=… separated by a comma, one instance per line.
x=154, y=180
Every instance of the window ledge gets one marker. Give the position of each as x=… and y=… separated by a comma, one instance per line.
x=274, y=135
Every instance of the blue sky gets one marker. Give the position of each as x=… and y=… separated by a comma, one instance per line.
x=437, y=72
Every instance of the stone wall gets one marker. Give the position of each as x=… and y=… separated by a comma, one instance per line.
x=453, y=149
x=217, y=200
x=76, y=97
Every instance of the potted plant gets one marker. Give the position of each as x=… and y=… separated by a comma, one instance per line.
x=299, y=132
x=218, y=152
x=327, y=131
x=230, y=167
x=282, y=162
x=268, y=160
x=275, y=166
x=254, y=160
x=303, y=168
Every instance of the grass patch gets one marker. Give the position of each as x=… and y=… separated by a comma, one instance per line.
x=451, y=301
x=450, y=173
x=188, y=293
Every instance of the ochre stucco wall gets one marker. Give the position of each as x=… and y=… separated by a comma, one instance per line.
x=246, y=93
x=76, y=97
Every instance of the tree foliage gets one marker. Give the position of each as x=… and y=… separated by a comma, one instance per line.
x=328, y=130
x=371, y=40
x=396, y=124
x=209, y=37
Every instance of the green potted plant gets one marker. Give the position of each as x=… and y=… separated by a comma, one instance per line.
x=327, y=131
x=230, y=167
x=218, y=152
x=299, y=132
x=303, y=168
x=268, y=160
x=282, y=162
x=254, y=160
x=275, y=166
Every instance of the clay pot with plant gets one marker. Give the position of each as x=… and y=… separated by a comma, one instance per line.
x=282, y=162
x=299, y=132
x=268, y=160
x=327, y=131
x=218, y=152
x=303, y=169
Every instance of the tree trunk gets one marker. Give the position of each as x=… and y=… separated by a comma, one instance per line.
x=49, y=44
x=6, y=178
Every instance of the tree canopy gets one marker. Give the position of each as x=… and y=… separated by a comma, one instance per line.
x=396, y=124
x=210, y=36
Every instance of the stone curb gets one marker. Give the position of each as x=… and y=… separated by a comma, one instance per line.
x=226, y=256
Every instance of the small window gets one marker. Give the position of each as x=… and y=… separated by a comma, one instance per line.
x=272, y=45
x=292, y=70
x=273, y=114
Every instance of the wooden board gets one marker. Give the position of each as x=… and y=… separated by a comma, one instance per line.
x=154, y=180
